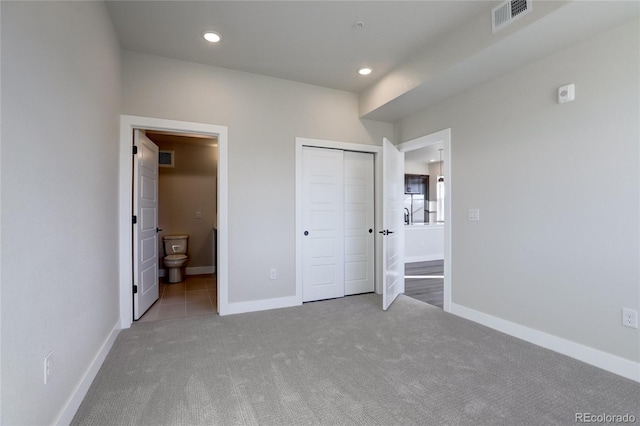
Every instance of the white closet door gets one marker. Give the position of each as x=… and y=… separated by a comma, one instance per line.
x=358, y=222
x=323, y=228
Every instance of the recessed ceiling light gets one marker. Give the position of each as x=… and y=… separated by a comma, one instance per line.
x=212, y=37
x=364, y=71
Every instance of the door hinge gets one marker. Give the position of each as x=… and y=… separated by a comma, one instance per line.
x=135, y=150
x=134, y=219
x=135, y=289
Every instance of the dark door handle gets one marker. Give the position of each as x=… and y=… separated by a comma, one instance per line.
x=386, y=232
x=158, y=229
x=389, y=232
x=306, y=233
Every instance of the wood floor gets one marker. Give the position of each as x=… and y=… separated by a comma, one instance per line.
x=419, y=284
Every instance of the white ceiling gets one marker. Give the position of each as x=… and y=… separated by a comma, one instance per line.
x=427, y=154
x=317, y=42
x=172, y=137
x=314, y=42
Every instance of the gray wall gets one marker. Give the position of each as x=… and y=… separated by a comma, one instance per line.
x=264, y=116
x=60, y=91
x=435, y=169
x=550, y=252
x=414, y=168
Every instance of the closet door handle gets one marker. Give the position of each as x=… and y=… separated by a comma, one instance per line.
x=306, y=233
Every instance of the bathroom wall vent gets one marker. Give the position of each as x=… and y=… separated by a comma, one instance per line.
x=507, y=12
x=165, y=158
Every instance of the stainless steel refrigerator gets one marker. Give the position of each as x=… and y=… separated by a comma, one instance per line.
x=415, y=205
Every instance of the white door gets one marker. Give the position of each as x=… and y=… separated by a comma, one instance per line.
x=393, y=224
x=358, y=223
x=322, y=222
x=145, y=240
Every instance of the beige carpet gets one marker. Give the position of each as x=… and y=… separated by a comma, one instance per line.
x=343, y=362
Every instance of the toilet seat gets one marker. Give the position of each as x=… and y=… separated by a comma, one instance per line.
x=176, y=257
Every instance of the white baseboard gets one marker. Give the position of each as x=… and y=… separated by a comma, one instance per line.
x=410, y=259
x=606, y=361
x=74, y=401
x=199, y=270
x=193, y=270
x=261, y=305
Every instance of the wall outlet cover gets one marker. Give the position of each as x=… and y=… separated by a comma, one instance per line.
x=629, y=318
x=47, y=366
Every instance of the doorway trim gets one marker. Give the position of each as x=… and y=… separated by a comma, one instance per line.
x=443, y=136
x=344, y=146
x=125, y=188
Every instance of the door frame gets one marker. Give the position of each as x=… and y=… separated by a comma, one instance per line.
x=443, y=136
x=125, y=185
x=345, y=146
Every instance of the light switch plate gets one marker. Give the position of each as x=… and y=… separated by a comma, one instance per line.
x=474, y=214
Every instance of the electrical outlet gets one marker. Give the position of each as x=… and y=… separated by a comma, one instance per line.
x=47, y=367
x=273, y=273
x=474, y=214
x=198, y=215
x=629, y=318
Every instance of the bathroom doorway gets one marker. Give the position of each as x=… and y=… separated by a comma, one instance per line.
x=217, y=219
x=187, y=175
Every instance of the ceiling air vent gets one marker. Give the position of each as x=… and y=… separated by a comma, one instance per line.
x=507, y=12
x=165, y=158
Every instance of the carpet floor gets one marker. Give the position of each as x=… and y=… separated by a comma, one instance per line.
x=343, y=362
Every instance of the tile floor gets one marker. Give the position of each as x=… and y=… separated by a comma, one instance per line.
x=196, y=295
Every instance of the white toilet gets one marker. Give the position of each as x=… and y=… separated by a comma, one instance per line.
x=175, y=250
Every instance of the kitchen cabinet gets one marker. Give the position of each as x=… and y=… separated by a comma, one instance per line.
x=416, y=184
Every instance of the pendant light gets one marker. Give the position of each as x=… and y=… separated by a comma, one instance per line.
x=440, y=194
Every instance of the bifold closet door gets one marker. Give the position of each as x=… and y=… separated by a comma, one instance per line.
x=323, y=228
x=338, y=220
x=358, y=223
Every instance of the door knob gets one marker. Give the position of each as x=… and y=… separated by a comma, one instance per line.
x=370, y=230
x=306, y=233
x=158, y=229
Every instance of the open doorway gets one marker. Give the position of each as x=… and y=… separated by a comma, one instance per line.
x=128, y=124
x=428, y=218
x=186, y=213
